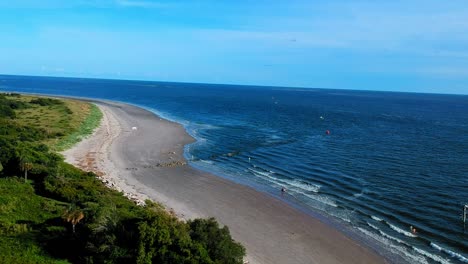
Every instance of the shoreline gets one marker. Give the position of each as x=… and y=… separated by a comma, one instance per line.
x=149, y=163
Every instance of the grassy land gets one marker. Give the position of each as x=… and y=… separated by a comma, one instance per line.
x=87, y=126
x=65, y=124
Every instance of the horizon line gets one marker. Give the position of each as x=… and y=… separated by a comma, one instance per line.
x=229, y=84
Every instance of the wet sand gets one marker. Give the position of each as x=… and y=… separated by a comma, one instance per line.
x=141, y=154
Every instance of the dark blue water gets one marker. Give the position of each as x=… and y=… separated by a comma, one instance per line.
x=391, y=160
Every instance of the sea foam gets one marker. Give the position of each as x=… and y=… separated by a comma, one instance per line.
x=401, y=231
x=450, y=253
x=398, y=250
x=432, y=256
x=387, y=235
x=305, y=186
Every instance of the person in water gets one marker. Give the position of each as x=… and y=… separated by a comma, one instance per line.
x=283, y=190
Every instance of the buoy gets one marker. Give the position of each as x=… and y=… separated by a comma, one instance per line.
x=327, y=132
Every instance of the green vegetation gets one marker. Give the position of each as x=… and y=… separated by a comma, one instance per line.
x=86, y=128
x=61, y=214
x=63, y=122
x=46, y=101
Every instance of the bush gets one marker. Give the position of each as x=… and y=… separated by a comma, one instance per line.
x=6, y=111
x=221, y=247
x=46, y=101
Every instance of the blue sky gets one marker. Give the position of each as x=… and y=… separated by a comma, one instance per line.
x=419, y=46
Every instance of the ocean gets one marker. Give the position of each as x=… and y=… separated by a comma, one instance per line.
x=372, y=163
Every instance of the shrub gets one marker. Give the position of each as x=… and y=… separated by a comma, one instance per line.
x=46, y=101
x=221, y=247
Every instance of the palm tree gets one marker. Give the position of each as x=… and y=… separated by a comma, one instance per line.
x=25, y=165
x=73, y=217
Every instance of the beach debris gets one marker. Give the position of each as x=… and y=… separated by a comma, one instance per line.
x=89, y=163
x=134, y=128
x=131, y=196
x=175, y=163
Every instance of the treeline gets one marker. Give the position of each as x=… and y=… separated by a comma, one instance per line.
x=53, y=211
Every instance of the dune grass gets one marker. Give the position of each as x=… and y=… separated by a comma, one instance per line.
x=65, y=121
x=86, y=128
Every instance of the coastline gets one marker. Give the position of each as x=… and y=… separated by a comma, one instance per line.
x=148, y=163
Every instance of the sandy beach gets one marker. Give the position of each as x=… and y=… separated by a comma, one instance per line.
x=141, y=154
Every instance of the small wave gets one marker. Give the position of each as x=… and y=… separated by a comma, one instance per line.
x=376, y=218
x=344, y=219
x=325, y=200
x=296, y=186
x=305, y=186
x=450, y=253
x=373, y=226
x=275, y=137
x=357, y=195
x=344, y=215
x=398, y=250
x=320, y=198
x=387, y=235
x=431, y=256
x=401, y=231
x=206, y=126
x=266, y=174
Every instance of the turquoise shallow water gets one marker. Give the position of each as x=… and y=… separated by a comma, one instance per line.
x=391, y=160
